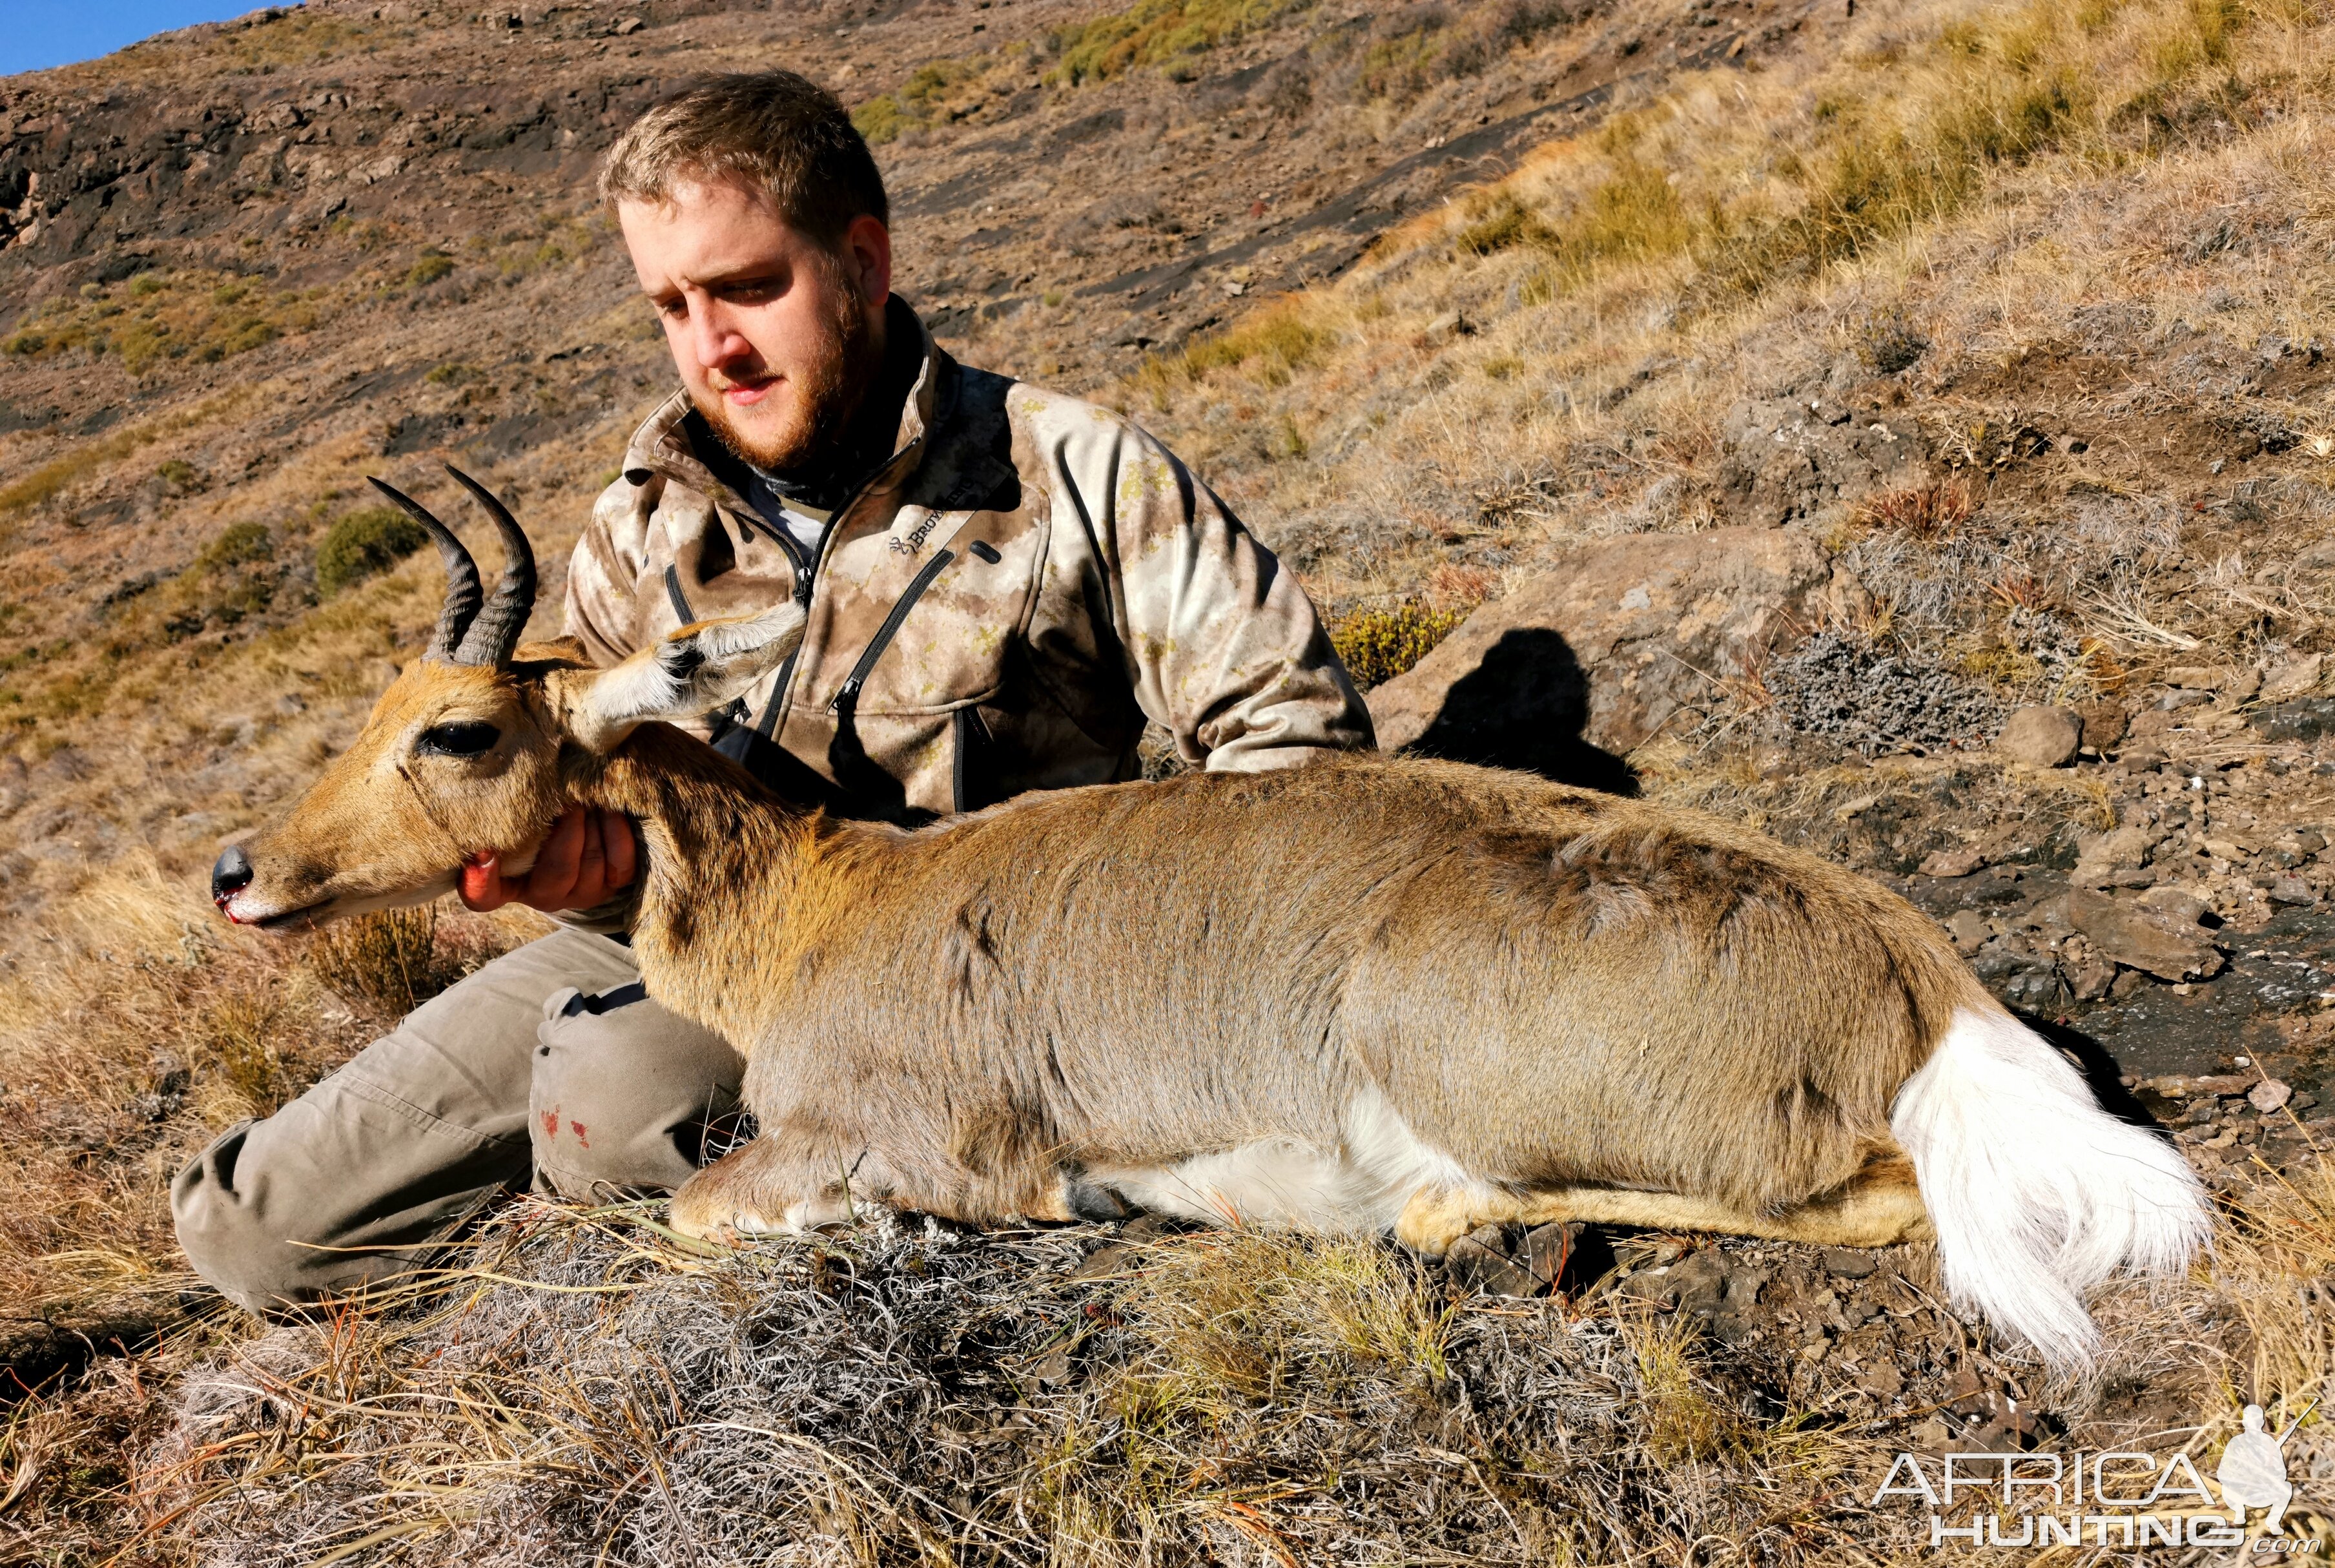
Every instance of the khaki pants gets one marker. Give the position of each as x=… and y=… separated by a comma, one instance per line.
x=549, y=1065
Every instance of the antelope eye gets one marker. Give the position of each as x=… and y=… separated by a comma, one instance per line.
x=457, y=740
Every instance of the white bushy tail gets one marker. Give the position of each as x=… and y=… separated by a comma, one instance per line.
x=2036, y=1194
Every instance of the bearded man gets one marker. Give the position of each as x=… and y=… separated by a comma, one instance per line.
x=1003, y=585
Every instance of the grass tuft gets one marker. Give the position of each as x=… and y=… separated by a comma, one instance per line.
x=390, y=962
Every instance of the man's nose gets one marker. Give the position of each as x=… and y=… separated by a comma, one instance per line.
x=718, y=341
x=232, y=873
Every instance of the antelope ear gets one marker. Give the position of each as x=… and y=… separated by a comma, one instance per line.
x=693, y=671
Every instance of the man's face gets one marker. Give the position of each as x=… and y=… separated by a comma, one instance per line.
x=775, y=335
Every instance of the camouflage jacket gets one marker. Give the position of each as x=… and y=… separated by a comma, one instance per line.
x=998, y=608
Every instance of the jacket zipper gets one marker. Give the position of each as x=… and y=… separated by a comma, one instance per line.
x=806, y=577
x=848, y=694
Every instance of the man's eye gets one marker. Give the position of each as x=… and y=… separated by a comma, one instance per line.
x=467, y=740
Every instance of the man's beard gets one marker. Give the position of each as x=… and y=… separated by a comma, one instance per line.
x=822, y=394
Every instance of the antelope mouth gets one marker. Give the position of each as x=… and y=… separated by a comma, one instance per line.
x=309, y=913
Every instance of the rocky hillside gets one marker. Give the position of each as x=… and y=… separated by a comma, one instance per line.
x=244, y=265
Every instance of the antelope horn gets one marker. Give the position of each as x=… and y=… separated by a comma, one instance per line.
x=462, y=594
x=494, y=633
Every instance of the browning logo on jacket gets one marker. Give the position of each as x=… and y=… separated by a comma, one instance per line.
x=998, y=608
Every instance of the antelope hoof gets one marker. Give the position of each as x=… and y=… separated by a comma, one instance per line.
x=703, y=1211
x=1435, y=1217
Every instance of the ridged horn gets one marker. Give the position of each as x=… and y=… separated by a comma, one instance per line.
x=494, y=633
x=463, y=595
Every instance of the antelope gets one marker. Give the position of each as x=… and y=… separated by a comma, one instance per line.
x=1362, y=996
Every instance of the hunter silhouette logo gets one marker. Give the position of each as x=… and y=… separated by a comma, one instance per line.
x=2254, y=1470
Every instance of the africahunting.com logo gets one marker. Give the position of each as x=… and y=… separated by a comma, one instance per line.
x=2114, y=1498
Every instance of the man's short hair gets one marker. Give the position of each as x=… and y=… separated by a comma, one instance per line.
x=775, y=132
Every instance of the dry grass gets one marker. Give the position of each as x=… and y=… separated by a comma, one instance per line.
x=1939, y=205
x=577, y=1385
x=144, y=1027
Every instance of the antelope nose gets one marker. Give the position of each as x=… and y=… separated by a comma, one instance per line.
x=231, y=875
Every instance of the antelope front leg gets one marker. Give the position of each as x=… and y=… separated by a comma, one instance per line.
x=761, y=1189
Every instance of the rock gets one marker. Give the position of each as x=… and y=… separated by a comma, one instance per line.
x=1969, y=929
x=2176, y=902
x=2039, y=737
x=1953, y=862
x=2183, y=697
x=2090, y=977
x=1696, y=1283
x=2201, y=677
x=2269, y=1095
x=2305, y=719
x=628, y=26
x=2104, y=724
x=1545, y=1250
x=2139, y=937
x=1619, y=638
x=2295, y=678
x=2292, y=890
x=2175, y=1086
x=1845, y=1263
x=2113, y=850
x=1111, y=1258
x=1479, y=1262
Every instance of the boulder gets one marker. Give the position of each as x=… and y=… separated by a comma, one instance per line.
x=1620, y=638
x=2039, y=737
x=2143, y=938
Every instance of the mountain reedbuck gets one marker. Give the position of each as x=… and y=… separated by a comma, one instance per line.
x=1364, y=996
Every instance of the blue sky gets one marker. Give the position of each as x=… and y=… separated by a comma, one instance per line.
x=35, y=34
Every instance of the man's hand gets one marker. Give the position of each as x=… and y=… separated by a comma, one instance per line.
x=588, y=856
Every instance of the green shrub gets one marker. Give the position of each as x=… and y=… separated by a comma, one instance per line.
x=428, y=267
x=240, y=546
x=363, y=543
x=1377, y=645
x=1157, y=32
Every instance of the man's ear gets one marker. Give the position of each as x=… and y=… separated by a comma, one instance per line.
x=692, y=672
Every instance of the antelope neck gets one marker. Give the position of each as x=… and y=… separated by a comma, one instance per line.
x=721, y=855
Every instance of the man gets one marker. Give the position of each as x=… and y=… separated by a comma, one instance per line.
x=1002, y=584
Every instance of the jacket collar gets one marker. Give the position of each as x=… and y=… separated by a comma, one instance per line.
x=661, y=447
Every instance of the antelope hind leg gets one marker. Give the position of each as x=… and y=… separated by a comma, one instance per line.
x=1877, y=1208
